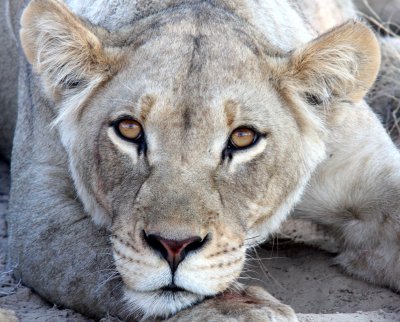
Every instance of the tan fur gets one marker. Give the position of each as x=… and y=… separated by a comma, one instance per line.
x=191, y=75
x=72, y=54
x=342, y=63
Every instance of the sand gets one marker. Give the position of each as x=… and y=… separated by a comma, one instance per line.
x=299, y=275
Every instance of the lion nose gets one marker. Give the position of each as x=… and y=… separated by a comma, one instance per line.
x=174, y=251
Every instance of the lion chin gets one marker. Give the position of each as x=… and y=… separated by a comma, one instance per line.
x=162, y=303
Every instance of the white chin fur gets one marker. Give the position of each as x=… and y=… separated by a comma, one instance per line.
x=160, y=304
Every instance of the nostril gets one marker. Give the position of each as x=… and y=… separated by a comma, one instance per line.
x=197, y=244
x=174, y=251
x=155, y=243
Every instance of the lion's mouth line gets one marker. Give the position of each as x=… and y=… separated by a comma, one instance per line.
x=173, y=288
x=167, y=289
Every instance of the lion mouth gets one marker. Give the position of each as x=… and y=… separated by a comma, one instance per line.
x=172, y=288
x=166, y=291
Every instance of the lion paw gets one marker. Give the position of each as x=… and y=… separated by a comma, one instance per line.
x=253, y=304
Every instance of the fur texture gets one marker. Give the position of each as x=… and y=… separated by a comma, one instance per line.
x=191, y=72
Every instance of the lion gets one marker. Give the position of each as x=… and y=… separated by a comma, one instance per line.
x=187, y=132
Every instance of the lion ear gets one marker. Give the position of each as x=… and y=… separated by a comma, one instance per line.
x=343, y=64
x=61, y=48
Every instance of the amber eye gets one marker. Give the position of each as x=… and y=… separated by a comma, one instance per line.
x=243, y=138
x=129, y=129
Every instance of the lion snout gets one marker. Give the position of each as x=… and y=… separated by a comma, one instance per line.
x=174, y=251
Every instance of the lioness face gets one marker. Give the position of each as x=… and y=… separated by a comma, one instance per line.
x=183, y=179
x=182, y=142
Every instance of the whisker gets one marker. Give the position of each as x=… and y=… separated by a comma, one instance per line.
x=266, y=272
x=107, y=280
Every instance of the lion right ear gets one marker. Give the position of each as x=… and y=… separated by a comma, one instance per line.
x=63, y=50
x=342, y=64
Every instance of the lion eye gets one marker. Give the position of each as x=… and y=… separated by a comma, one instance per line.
x=129, y=129
x=243, y=138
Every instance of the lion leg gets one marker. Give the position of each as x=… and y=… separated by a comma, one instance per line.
x=251, y=304
x=355, y=195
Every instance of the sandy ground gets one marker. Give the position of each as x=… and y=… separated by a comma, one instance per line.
x=298, y=275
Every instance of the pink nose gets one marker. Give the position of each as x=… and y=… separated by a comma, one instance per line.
x=174, y=251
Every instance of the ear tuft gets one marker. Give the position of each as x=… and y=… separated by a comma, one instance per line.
x=342, y=63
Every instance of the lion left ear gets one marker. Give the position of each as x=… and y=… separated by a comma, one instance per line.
x=342, y=63
x=62, y=48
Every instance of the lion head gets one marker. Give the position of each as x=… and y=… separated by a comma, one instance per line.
x=189, y=136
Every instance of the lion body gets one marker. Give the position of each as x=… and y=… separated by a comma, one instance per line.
x=340, y=167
